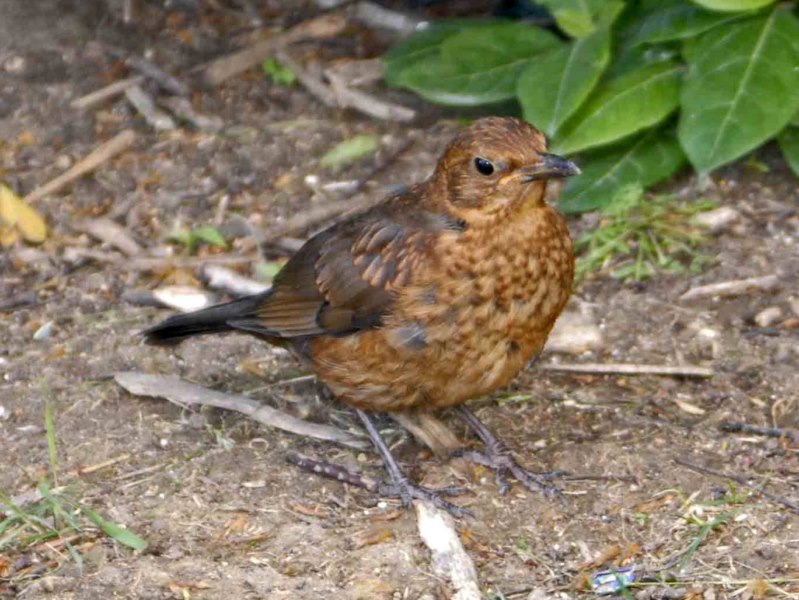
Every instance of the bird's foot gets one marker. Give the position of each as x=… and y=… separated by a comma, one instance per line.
x=501, y=461
x=408, y=492
x=402, y=489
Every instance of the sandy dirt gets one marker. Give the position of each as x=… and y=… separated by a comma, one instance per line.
x=223, y=513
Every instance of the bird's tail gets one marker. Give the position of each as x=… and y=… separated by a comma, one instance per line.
x=214, y=319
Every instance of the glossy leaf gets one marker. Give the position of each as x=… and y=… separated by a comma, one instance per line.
x=621, y=107
x=742, y=88
x=733, y=5
x=421, y=45
x=789, y=144
x=479, y=66
x=650, y=158
x=675, y=21
x=555, y=84
x=578, y=18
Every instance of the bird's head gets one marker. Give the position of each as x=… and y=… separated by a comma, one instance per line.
x=497, y=165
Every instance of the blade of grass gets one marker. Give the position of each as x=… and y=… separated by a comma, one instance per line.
x=114, y=531
x=49, y=425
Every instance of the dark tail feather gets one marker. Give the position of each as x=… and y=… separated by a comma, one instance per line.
x=214, y=319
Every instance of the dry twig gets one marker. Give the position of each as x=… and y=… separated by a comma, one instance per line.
x=735, y=287
x=631, y=369
x=99, y=96
x=145, y=105
x=184, y=393
x=756, y=488
x=103, y=153
x=776, y=432
x=110, y=232
x=322, y=27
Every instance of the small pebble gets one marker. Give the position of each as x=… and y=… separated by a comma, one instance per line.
x=768, y=316
x=717, y=220
x=43, y=333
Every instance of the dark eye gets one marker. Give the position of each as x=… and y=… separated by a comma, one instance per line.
x=483, y=166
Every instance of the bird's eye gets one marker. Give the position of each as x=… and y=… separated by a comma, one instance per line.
x=483, y=166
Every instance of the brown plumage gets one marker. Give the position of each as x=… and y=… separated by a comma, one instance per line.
x=432, y=297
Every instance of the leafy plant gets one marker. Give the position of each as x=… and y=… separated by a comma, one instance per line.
x=190, y=238
x=638, y=236
x=638, y=88
x=280, y=74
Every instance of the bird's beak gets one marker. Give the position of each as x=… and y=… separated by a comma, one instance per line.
x=551, y=165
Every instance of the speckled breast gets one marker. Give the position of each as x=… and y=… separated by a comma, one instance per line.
x=467, y=323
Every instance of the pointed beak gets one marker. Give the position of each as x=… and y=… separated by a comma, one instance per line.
x=551, y=166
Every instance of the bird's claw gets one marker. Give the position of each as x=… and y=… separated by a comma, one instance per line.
x=408, y=492
x=503, y=464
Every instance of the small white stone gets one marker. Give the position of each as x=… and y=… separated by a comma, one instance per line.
x=768, y=316
x=717, y=220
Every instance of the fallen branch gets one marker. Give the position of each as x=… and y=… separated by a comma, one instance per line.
x=757, y=488
x=448, y=556
x=99, y=96
x=631, y=369
x=735, y=287
x=151, y=71
x=103, y=153
x=184, y=393
x=322, y=27
x=776, y=432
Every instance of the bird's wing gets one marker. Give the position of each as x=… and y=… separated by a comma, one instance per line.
x=345, y=279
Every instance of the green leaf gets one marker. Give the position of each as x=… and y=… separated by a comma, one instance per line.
x=114, y=531
x=209, y=235
x=349, y=151
x=578, y=18
x=478, y=66
x=733, y=5
x=279, y=74
x=554, y=85
x=621, y=107
x=741, y=89
x=421, y=45
x=675, y=21
x=651, y=158
x=789, y=144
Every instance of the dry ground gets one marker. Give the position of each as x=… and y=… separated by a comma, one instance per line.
x=224, y=515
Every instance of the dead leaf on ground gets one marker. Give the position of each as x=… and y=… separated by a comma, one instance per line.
x=17, y=218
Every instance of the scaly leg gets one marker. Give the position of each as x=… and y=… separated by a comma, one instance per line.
x=399, y=487
x=498, y=457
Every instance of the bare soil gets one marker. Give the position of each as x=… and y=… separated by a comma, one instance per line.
x=224, y=514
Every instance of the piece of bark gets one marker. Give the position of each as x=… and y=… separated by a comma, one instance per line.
x=448, y=556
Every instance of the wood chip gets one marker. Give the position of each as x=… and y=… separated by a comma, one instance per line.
x=111, y=233
x=226, y=280
x=183, y=298
x=448, y=556
x=184, y=393
x=735, y=287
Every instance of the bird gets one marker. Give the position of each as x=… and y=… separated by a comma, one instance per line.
x=432, y=297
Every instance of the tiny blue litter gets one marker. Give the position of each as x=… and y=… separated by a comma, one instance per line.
x=612, y=580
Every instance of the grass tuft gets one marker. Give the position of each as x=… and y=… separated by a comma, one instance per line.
x=639, y=236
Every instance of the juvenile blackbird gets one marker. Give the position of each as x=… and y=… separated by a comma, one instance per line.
x=432, y=297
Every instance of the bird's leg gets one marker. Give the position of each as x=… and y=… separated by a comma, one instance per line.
x=400, y=485
x=498, y=457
